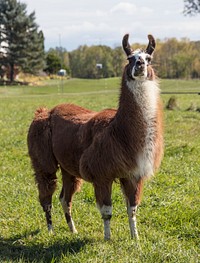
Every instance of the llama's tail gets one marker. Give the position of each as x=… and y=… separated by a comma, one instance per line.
x=40, y=146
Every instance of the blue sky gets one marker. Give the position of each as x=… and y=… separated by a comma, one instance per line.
x=73, y=23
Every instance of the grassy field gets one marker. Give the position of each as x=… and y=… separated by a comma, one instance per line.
x=169, y=215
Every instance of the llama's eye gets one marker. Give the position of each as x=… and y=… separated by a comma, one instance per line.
x=148, y=58
x=132, y=60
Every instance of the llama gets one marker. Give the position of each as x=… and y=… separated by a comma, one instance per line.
x=101, y=147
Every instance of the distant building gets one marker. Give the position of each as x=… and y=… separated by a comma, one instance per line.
x=62, y=72
x=99, y=66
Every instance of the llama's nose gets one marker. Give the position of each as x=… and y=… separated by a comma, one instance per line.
x=140, y=62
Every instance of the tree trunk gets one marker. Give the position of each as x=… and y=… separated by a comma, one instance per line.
x=11, y=72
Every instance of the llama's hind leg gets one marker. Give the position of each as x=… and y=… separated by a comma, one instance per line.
x=132, y=189
x=46, y=187
x=71, y=185
x=104, y=204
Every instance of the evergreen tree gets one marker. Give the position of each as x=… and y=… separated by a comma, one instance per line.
x=22, y=44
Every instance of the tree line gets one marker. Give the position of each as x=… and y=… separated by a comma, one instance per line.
x=22, y=49
x=172, y=59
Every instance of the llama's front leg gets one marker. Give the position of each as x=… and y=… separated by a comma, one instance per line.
x=132, y=189
x=70, y=186
x=106, y=213
x=131, y=210
x=104, y=204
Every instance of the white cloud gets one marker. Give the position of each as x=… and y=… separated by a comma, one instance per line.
x=93, y=22
x=146, y=10
x=124, y=7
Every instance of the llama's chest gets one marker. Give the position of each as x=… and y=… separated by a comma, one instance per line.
x=145, y=157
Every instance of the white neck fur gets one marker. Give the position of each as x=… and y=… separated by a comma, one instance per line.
x=146, y=94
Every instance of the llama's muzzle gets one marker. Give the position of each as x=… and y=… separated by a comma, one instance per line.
x=139, y=67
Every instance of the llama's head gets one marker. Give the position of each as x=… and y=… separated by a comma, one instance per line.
x=139, y=59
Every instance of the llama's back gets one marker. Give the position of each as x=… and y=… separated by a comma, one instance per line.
x=73, y=131
x=55, y=134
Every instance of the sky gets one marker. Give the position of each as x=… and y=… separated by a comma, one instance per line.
x=71, y=23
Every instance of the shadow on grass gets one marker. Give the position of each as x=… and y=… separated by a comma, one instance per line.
x=13, y=249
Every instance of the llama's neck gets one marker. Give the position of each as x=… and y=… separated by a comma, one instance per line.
x=136, y=123
x=145, y=95
x=138, y=100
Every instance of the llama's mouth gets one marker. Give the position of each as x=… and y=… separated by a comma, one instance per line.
x=139, y=73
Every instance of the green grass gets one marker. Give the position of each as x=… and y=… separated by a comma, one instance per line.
x=76, y=86
x=168, y=218
x=63, y=86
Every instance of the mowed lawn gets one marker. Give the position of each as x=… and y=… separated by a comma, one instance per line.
x=168, y=217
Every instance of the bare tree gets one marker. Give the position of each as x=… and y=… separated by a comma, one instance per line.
x=191, y=7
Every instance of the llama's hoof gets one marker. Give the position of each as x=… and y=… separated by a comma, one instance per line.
x=72, y=227
x=135, y=236
x=74, y=231
x=50, y=230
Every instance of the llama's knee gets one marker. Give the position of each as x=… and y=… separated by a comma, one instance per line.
x=104, y=204
x=131, y=211
x=106, y=211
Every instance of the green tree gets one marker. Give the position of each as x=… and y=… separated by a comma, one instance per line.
x=163, y=57
x=118, y=61
x=76, y=61
x=177, y=58
x=63, y=56
x=22, y=44
x=53, y=62
x=196, y=62
x=85, y=60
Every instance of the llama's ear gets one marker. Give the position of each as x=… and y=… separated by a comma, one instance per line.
x=151, y=46
x=126, y=46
